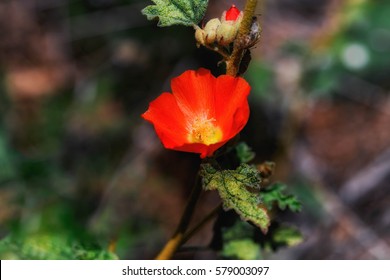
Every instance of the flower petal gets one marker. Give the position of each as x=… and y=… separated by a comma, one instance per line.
x=202, y=149
x=231, y=104
x=232, y=13
x=168, y=120
x=194, y=92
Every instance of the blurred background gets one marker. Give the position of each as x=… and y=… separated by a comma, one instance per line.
x=82, y=176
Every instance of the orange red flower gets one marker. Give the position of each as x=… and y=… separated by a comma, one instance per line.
x=202, y=113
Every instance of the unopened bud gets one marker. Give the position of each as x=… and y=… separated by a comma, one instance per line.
x=199, y=36
x=210, y=30
x=230, y=23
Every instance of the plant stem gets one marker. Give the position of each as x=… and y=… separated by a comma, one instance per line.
x=223, y=53
x=239, y=47
x=177, y=239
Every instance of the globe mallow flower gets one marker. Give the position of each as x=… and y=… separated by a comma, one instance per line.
x=202, y=113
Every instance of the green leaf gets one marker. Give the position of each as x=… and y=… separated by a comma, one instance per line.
x=173, y=12
x=239, y=190
x=244, y=152
x=243, y=249
x=50, y=246
x=238, y=242
x=275, y=194
x=239, y=230
x=286, y=235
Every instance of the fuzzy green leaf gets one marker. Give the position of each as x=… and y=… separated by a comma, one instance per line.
x=242, y=249
x=276, y=194
x=176, y=12
x=286, y=235
x=238, y=242
x=239, y=190
x=244, y=152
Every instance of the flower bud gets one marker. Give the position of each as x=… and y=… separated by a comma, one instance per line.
x=210, y=30
x=230, y=23
x=199, y=36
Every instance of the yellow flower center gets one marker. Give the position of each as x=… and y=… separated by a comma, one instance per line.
x=203, y=130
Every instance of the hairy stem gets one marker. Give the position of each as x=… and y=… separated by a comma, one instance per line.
x=233, y=63
x=177, y=239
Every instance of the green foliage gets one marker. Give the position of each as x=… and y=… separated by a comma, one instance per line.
x=244, y=152
x=176, y=12
x=51, y=233
x=239, y=190
x=276, y=194
x=243, y=241
x=261, y=78
x=288, y=236
x=240, y=230
x=7, y=169
x=50, y=246
x=238, y=242
x=361, y=35
x=244, y=249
